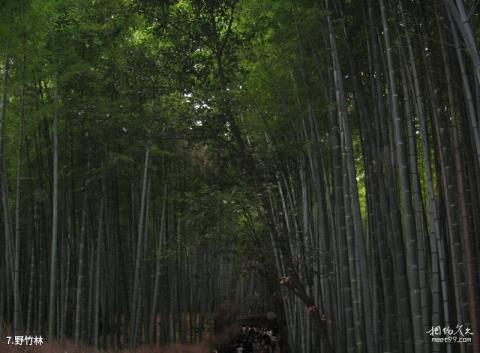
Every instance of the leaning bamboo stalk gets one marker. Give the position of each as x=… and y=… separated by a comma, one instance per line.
x=158, y=264
x=139, y=251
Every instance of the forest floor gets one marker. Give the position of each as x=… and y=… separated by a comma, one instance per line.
x=206, y=345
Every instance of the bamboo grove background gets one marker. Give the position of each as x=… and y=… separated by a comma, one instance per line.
x=163, y=160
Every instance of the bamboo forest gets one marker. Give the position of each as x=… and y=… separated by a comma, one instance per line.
x=240, y=176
